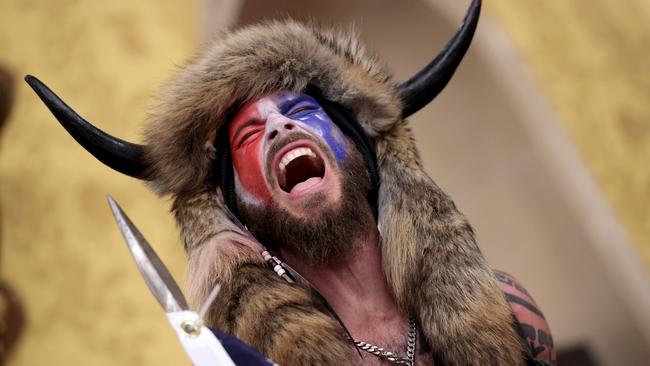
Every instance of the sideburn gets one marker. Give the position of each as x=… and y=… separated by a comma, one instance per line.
x=322, y=239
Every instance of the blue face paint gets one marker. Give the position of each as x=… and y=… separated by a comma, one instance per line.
x=305, y=110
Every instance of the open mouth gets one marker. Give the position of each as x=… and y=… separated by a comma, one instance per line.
x=299, y=169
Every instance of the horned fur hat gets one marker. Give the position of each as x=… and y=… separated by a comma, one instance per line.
x=430, y=256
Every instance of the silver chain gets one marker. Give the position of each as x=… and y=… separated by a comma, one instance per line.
x=408, y=360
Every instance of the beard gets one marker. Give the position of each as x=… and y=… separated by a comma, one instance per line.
x=331, y=233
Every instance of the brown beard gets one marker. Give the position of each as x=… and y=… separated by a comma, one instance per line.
x=318, y=239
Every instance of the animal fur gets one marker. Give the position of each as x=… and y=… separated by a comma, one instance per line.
x=431, y=260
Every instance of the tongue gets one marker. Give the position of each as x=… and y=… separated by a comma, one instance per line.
x=303, y=186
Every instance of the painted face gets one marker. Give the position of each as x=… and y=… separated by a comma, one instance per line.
x=279, y=140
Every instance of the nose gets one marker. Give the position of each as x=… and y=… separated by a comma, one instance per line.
x=277, y=126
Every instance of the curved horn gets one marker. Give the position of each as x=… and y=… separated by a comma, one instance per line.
x=123, y=156
x=420, y=89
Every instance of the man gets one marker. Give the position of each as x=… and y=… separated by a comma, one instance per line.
x=286, y=146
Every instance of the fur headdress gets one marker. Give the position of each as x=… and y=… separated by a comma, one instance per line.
x=430, y=257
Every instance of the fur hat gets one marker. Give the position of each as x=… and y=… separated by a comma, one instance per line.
x=247, y=64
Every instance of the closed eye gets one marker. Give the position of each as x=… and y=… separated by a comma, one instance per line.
x=248, y=135
x=302, y=108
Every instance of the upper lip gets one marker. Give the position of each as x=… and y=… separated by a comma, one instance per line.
x=293, y=154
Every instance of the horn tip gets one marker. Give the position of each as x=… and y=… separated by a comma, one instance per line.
x=30, y=79
x=34, y=82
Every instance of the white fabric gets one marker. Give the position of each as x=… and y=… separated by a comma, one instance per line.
x=203, y=349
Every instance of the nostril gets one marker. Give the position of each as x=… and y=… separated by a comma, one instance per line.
x=273, y=134
x=288, y=126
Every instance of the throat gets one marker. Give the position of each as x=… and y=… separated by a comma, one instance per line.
x=357, y=290
x=300, y=170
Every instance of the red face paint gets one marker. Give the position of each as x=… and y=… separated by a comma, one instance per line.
x=246, y=133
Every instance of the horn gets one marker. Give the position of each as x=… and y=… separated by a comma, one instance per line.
x=420, y=89
x=123, y=156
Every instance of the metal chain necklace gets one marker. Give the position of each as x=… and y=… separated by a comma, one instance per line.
x=408, y=360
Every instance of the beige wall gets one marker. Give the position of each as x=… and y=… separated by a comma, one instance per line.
x=591, y=59
x=86, y=303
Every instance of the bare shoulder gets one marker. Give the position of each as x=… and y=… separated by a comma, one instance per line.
x=532, y=323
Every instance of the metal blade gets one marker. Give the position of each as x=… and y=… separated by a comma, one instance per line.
x=155, y=274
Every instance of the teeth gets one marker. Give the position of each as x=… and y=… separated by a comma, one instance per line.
x=293, y=154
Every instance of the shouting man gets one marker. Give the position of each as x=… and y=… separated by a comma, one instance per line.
x=298, y=187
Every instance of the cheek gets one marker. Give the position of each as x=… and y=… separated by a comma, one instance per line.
x=247, y=162
x=327, y=130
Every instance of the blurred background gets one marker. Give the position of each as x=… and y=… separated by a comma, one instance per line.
x=542, y=138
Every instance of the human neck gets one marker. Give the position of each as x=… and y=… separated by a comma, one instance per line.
x=355, y=287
